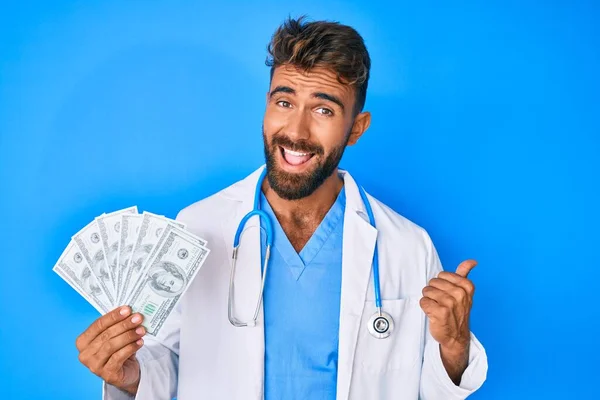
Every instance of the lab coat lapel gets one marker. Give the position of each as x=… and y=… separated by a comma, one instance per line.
x=358, y=247
x=247, y=285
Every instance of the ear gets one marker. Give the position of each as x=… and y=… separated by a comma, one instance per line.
x=361, y=124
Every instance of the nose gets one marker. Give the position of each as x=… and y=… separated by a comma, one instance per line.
x=298, y=125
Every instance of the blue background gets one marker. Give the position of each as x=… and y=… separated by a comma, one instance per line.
x=485, y=132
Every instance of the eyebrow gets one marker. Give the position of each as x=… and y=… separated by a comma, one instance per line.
x=318, y=95
x=282, y=89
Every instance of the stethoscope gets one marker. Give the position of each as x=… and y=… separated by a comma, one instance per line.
x=380, y=325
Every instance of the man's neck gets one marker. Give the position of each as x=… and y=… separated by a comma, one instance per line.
x=319, y=202
x=300, y=218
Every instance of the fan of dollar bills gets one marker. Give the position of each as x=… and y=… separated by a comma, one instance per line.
x=143, y=260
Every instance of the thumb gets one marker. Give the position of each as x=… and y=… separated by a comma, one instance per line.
x=465, y=267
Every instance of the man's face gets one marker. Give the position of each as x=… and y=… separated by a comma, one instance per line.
x=171, y=283
x=306, y=127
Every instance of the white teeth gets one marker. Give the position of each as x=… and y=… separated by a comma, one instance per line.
x=295, y=153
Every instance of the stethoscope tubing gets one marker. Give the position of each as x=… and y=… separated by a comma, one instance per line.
x=377, y=321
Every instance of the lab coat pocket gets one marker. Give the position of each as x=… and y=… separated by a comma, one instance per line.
x=399, y=351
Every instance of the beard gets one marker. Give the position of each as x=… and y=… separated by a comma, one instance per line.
x=295, y=186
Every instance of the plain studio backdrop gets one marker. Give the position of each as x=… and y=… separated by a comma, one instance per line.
x=485, y=132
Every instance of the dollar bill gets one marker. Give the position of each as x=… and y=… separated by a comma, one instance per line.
x=165, y=235
x=157, y=247
x=89, y=244
x=151, y=229
x=75, y=270
x=166, y=276
x=109, y=226
x=130, y=227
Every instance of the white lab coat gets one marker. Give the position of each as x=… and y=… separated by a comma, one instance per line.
x=201, y=356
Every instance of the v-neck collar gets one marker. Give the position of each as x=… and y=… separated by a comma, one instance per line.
x=297, y=262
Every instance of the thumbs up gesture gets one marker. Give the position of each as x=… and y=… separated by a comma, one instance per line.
x=447, y=303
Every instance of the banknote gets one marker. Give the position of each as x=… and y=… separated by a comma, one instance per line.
x=157, y=247
x=65, y=276
x=109, y=226
x=143, y=260
x=130, y=227
x=76, y=271
x=89, y=244
x=151, y=229
x=166, y=276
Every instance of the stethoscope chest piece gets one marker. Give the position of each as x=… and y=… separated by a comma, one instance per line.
x=380, y=325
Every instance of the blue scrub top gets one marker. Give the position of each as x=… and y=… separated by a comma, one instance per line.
x=302, y=309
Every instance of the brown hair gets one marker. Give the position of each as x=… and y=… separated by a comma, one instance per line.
x=331, y=45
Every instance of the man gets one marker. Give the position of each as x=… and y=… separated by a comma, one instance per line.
x=312, y=338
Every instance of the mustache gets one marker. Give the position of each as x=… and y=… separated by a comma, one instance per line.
x=302, y=146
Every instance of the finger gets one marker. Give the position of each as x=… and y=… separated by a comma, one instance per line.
x=100, y=325
x=114, y=345
x=94, y=356
x=465, y=267
x=442, y=284
x=115, y=362
x=458, y=280
x=115, y=330
x=439, y=296
x=428, y=305
x=434, y=311
x=453, y=290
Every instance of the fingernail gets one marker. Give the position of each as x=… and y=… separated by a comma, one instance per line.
x=139, y=330
x=124, y=311
x=140, y=342
x=136, y=318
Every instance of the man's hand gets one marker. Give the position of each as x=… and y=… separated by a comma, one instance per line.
x=109, y=345
x=447, y=301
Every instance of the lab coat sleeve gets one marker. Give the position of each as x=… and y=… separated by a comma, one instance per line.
x=158, y=358
x=435, y=382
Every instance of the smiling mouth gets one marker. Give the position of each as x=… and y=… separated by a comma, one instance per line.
x=295, y=158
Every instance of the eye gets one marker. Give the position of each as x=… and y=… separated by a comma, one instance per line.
x=284, y=103
x=325, y=111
